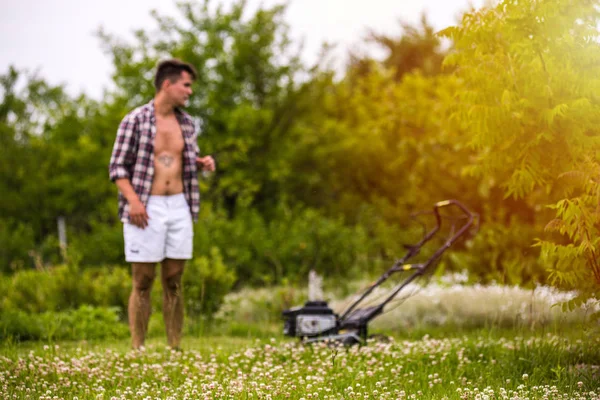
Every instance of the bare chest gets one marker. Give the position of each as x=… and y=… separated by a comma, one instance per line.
x=169, y=137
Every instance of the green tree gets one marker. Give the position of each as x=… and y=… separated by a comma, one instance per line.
x=529, y=98
x=377, y=148
x=26, y=116
x=417, y=49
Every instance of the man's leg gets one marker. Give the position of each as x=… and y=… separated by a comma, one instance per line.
x=139, y=307
x=171, y=273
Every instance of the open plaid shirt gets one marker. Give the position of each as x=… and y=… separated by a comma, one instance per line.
x=133, y=157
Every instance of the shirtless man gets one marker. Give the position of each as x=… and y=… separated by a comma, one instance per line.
x=154, y=163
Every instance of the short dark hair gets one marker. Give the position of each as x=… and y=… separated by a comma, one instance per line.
x=171, y=70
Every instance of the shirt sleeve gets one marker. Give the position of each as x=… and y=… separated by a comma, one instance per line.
x=124, y=150
x=196, y=128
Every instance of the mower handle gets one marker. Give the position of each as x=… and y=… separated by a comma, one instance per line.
x=414, y=250
x=470, y=216
x=400, y=265
x=457, y=203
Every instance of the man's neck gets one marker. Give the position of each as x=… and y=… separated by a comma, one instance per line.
x=162, y=107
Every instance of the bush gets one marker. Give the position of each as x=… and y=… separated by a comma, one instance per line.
x=17, y=240
x=70, y=302
x=259, y=306
x=65, y=287
x=502, y=254
x=86, y=322
x=206, y=281
x=29, y=291
x=285, y=247
x=19, y=325
x=66, y=302
x=101, y=246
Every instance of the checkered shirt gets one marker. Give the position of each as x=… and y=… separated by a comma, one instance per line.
x=133, y=157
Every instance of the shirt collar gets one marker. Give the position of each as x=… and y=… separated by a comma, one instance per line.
x=178, y=113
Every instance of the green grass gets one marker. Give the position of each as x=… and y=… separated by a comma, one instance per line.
x=562, y=363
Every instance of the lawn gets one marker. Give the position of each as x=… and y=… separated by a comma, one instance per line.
x=557, y=363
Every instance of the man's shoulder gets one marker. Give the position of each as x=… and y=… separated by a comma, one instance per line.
x=141, y=111
x=187, y=118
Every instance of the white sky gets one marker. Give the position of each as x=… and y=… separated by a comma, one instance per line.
x=56, y=37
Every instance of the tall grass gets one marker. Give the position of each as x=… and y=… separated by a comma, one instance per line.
x=445, y=302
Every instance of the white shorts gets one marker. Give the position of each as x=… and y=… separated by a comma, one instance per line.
x=169, y=233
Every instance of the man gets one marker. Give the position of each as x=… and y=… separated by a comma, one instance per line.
x=154, y=164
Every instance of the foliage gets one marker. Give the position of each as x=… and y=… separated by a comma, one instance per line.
x=65, y=301
x=296, y=240
x=65, y=287
x=417, y=49
x=259, y=307
x=16, y=238
x=82, y=323
x=534, y=126
x=53, y=164
x=501, y=253
x=206, y=281
x=316, y=171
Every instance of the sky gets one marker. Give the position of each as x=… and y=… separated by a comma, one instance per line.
x=56, y=38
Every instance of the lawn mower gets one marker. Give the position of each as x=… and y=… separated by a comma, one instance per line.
x=316, y=322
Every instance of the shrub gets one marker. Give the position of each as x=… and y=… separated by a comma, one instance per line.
x=65, y=287
x=259, y=306
x=502, y=254
x=287, y=246
x=86, y=322
x=17, y=241
x=19, y=325
x=101, y=246
x=206, y=281
x=29, y=291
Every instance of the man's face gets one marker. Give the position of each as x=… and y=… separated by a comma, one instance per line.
x=180, y=90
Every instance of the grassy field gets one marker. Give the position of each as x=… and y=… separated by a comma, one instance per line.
x=448, y=341
x=557, y=363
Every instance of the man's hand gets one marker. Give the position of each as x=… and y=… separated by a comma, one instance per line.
x=137, y=214
x=206, y=163
x=137, y=210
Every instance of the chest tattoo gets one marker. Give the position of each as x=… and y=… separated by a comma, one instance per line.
x=166, y=160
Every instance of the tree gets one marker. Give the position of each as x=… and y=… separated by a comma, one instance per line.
x=530, y=73
x=417, y=49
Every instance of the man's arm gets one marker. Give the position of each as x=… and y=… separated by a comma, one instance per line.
x=137, y=211
x=122, y=160
x=124, y=151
